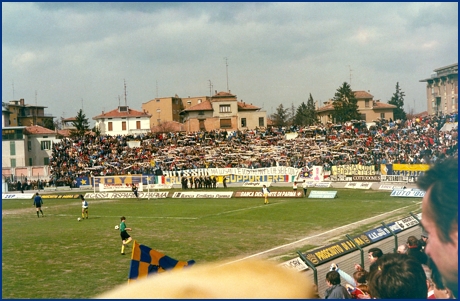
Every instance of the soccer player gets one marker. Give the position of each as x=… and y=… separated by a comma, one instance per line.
x=125, y=237
x=84, y=207
x=38, y=202
x=265, y=192
x=134, y=189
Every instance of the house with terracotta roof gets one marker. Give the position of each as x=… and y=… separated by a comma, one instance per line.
x=123, y=121
x=369, y=109
x=223, y=111
x=26, y=146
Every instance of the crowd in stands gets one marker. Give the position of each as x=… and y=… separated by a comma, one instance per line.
x=424, y=140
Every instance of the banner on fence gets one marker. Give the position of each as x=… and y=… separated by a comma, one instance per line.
x=273, y=194
x=17, y=196
x=202, y=195
x=358, y=185
x=408, y=193
x=295, y=263
x=126, y=195
x=353, y=169
x=366, y=178
x=316, y=194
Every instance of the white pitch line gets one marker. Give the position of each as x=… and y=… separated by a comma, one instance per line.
x=152, y=217
x=242, y=209
x=309, y=237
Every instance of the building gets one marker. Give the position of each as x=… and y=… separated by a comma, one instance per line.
x=369, y=109
x=21, y=114
x=26, y=146
x=442, y=90
x=223, y=111
x=166, y=109
x=123, y=121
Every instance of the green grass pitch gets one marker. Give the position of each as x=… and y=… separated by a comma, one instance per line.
x=59, y=257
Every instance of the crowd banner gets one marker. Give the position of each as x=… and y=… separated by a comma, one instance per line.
x=366, y=178
x=354, y=170
x=256, y=184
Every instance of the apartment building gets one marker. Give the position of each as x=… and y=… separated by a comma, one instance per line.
x=442, y=90
x=369, y=109
x=22, y=114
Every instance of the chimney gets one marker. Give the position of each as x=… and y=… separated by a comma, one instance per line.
x=215, y=91
x=21, y=101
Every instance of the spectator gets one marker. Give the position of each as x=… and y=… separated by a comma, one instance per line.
x=415, y=249
x=440, y=218
x=356, y=285
x=423, y=239
x=440, y=291
x=373, y=254
x=402, y=249
x=398, y=276
x=335, y=290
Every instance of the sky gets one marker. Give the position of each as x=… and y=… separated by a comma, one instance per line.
x=72, y=56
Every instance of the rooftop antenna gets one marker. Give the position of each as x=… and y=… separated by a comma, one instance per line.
x=210, y=88
x=349, y=68
x=126, y=101
x=119, y=98
x=226, y=68
x=157, y=88
x=35, y=97
x=13, y=89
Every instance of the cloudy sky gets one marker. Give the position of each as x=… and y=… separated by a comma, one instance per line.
x=72, y=56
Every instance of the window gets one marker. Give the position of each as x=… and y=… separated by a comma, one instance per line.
x=189, y=103
x=110, y=126
x=29, y=145
x=199, y=100
x=362, y=116
x=13, y=162
x=225, y=123
x=30, y=162
x=45, y=144
x=138, y=125
x=123, y=126
x=46, y=161
x=12, y=148
x=157, y=100
x=201, y=113
x=366, y=103
x=243, y=122
x=382, y=115
x=261, y=121
x=225, y=109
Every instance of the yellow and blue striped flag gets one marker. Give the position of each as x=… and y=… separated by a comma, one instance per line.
x=145, y=261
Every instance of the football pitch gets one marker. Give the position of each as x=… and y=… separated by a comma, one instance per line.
x=60, y=257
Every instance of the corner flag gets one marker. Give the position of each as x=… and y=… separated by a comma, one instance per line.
x=145, y=260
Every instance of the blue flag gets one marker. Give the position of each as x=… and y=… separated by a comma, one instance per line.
x=145, y=260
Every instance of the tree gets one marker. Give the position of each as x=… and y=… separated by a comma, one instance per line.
x=306, y=113
x=81, y=125
x=280, y=117
x=398, y=100
x=345, y=105
x=49, y=124
x=301, y=115
x=291, y=115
